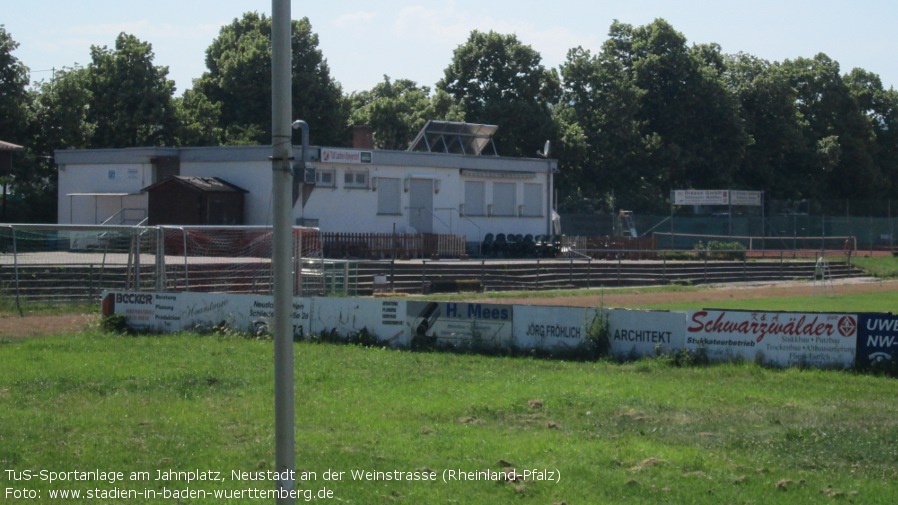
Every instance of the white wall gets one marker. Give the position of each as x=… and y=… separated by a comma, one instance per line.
x=117, y=178
x=336, y=208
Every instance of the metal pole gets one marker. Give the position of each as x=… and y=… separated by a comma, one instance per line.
x=15, y=260
x=282, y=248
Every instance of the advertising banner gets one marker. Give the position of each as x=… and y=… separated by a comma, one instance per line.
x=745, y=198
x=460, y=324
x=385, y=319
x=551, y=328
x=776, y=338
x=701, y=197
x=170, y=312
x=877, y=339
x=639, y=333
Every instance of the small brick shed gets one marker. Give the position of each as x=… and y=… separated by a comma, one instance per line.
x=187, y=200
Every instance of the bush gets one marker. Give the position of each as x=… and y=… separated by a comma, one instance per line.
x=716, y=250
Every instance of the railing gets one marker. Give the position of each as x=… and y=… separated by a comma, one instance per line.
x=389, y=245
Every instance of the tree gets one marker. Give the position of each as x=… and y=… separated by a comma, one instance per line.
x=13, y=92
x=777, y=157
x=132, y=99
x=501, y=81
x=602, y=145
x=238, y=82
x=61, y=109
x=396, y=111
x=880, y=107
x=27, y=180
x=690, y=120
x=198, y=120
x=836, y=130
x=656, y=114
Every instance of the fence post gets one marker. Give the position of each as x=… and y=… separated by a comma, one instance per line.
x=782, y=264
x=160, y=260
x=186, y=276
x=483, y=274
x=589, y=273
x=423, y=275
x=15, y=261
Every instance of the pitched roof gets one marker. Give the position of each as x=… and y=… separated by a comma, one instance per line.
x=7, y=146
x=205, y=184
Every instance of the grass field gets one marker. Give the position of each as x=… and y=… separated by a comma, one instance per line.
x=642, y=432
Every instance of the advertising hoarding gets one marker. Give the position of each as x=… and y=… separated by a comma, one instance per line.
x=877, y=339
x=640, y=333
x=385, y=319
x=551, y=328
x=775, y=338
x=459, y=324
x=171, y=312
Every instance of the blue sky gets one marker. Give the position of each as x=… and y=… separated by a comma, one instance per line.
x=414, y=39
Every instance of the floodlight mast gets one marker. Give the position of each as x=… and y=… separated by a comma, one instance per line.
x=282, y=249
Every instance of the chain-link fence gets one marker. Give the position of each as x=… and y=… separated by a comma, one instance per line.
x=780, y=225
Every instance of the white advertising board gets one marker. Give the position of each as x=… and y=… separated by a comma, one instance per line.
x=459, y=324
x=345, y=156
x=383, y=318
x=551, y=328
x=701, y=197
x=170, y=312
x=776, y=338
x=745, y=198
x=639, y=333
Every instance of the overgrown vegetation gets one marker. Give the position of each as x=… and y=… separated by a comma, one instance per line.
x=716, y=250
x=884, y=267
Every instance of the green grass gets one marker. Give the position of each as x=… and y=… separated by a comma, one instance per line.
x=827, y=300
x=10, y=307
x=643, y=432
x=882, y=267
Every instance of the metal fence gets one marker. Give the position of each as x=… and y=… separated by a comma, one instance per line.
x=781, y=231
x=73, y=262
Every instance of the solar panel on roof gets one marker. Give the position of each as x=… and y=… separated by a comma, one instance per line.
x=455, y=138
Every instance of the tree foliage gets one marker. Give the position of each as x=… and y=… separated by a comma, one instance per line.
x=645, y=114
x=13, y=92
x=132, y=100
x=500, y=81
x=238, y=84
x=396, y=111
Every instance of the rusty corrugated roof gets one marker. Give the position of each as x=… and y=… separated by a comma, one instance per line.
x=207, y=184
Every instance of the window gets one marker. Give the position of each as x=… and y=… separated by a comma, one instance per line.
x=388, y=196
x=504, y=199
x=355, y=180
x=475, y=192
x=325, y=179
x=533, y=200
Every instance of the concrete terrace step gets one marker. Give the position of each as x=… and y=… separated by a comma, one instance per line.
x=412, y=276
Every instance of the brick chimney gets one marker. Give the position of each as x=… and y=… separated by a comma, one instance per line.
x=362, y=137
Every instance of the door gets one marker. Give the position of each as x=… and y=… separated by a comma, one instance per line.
x=420, y=215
